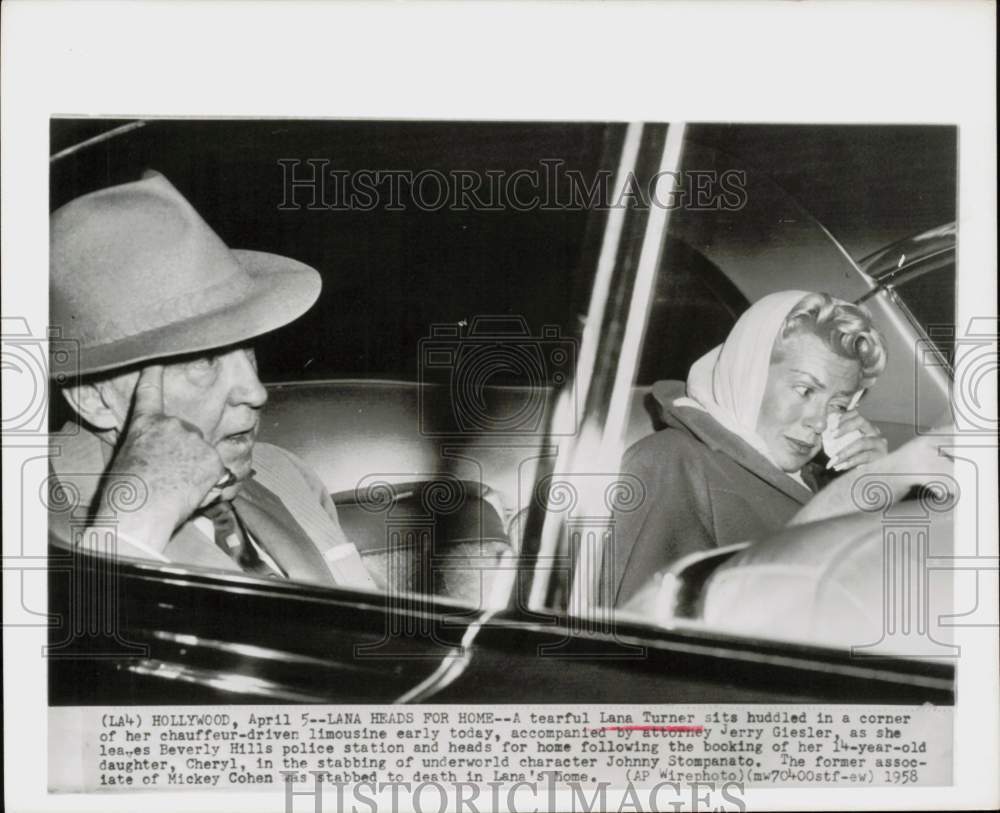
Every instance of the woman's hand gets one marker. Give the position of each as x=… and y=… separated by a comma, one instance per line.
x=921, y=461
x=869, y=447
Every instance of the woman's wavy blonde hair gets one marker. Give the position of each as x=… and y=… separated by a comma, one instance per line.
x=845, y=328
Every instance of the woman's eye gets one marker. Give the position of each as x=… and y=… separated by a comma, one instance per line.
x=803, y=390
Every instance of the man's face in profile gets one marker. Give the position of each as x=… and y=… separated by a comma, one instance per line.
x=219, y=393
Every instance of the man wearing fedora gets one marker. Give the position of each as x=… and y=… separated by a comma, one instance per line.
x=167, y=403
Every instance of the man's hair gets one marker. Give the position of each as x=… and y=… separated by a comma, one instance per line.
x=844, y=328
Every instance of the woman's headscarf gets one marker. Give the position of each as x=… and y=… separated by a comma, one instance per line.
x=728, y=382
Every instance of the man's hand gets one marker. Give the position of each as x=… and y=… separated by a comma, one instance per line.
x=170, y=456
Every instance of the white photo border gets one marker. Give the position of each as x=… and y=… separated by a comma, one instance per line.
x=768, y=62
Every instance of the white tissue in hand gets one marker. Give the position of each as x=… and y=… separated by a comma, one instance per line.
x=832, y=445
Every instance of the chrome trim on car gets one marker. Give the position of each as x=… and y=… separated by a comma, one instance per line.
x=910, y=250
x=222, y=681
x=724, y=652
x=97, y=139
x=258, y=652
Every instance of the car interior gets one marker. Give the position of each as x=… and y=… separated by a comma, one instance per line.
x=433, y=454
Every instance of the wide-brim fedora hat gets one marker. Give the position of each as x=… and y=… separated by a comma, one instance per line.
x=136, y=275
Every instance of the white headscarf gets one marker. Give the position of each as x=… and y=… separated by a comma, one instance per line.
x=728, y=382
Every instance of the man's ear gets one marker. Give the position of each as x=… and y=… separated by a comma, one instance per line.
x=90, y=402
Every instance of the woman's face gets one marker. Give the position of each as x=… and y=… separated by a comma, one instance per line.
x=805, y=384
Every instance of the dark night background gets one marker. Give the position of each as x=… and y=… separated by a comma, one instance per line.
x=388, y=276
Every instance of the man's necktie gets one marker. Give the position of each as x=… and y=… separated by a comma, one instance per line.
x=232, y=538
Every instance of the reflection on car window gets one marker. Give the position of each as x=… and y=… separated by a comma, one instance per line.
x=930, y=297
x=693, y=310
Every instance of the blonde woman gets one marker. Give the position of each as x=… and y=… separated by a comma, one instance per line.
x=734, y=462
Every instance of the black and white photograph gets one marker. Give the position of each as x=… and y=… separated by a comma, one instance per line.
x=399, y=389
x=448, y=456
